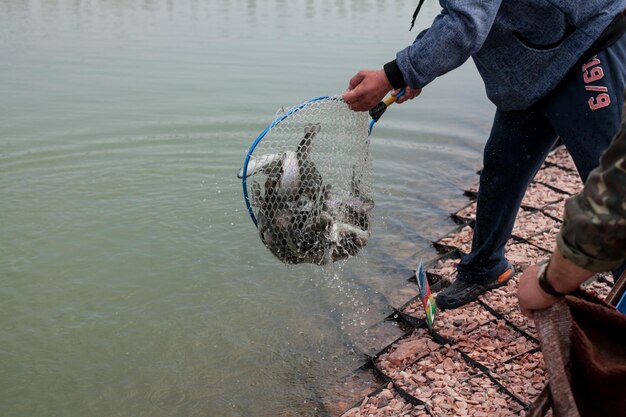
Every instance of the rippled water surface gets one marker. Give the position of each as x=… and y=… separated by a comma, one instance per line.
x=132, y=282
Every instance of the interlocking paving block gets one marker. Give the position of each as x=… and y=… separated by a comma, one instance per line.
x=387, y=402
x=561, y=158
x=433, y=373
x=524, y=376
x=377, y=337
x=597, y=286
x=538, y=196
x=398, y=297
x=546, y=239
x=477, y=397
x=555, y=210
x=466, y=214
x=415, y=310
x=503, y=299
x=442, y=272
x=461, y=239
x=452, y=324
x=405, y=352
x=350, y=390
x=472, y=191
x=494, y=343
x=531, y=222
x=490, y=363
x=450, y=386
x=565, y=180
x=523, y=255
x=517, y=319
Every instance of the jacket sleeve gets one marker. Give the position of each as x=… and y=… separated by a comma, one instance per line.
x=457, y=33
x=593, y=235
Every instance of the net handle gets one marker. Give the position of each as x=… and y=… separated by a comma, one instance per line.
x=377, y=111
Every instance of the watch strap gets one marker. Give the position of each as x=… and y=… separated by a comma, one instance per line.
x=542, y=277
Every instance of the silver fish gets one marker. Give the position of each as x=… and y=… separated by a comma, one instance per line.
x=299, y=218
x=288, y=211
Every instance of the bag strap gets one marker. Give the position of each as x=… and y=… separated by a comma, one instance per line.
x=544, y=401
x=415, y=13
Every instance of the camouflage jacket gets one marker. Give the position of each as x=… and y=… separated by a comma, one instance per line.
x=593, y=235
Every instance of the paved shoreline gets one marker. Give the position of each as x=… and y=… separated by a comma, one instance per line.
x=482, y=359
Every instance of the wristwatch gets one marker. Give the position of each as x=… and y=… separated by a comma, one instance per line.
x=545, y=284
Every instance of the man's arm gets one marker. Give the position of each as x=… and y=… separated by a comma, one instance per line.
x=457, y=33
x=593, y=236
x=562, y=275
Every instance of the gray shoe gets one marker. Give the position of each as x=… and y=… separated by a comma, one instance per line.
x=460, y=292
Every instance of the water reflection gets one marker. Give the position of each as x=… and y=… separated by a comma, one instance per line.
x=133, y=281
x=224, y=14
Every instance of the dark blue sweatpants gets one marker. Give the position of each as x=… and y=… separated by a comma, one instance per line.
x=584, y=110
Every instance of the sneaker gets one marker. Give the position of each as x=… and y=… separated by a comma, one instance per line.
x=460, y=292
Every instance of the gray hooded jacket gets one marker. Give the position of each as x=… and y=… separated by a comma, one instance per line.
x=522, y=48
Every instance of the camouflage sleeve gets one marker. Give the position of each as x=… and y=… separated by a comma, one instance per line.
x=593, y=235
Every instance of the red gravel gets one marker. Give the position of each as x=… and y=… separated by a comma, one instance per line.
x=530, y=223
x=555, y=210
x=538, y=196
x=494, y=343
x=503, y=299
x=561, y=158
x=438, y=375
x=386, y=403
x=524, y=376
x=523, y=255
x=565, y=180
x=467, y=213
x=461, y=240
x=453, y=324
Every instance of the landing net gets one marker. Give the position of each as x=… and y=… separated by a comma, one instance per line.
x=308, y=182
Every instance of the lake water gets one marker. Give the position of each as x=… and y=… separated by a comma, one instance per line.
x=132, y=281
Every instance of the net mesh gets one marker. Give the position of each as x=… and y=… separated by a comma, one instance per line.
x=309, y=183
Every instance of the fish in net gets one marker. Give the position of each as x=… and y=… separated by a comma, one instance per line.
x=308, y=183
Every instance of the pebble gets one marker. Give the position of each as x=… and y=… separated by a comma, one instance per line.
x=438, y=374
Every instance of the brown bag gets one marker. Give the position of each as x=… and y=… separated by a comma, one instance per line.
x=583, y=340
